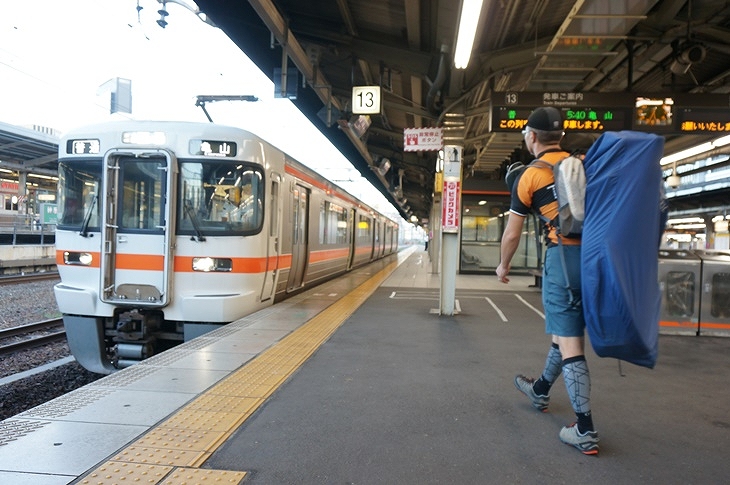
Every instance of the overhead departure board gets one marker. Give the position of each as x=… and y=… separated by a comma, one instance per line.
x=598, y=112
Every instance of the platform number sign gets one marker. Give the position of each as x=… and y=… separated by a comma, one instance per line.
x=366, y=100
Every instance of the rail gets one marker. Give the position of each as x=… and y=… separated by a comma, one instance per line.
x=28, y=278
x=33, y=341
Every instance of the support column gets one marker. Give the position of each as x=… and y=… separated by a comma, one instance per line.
x=709, y=233
x=450, y=221
x=22, y=193
x=451, y=209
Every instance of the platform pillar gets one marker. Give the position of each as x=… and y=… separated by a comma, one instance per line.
x=450, y=221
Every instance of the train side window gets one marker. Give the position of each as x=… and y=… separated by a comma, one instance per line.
x=680, y=293
x=333, y=224
x=720, y=301
x=364, y=227
x=339, y=223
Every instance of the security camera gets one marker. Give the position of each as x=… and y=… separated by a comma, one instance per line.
x=673, y=181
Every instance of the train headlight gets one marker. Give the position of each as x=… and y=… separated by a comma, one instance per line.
x=212, y=264
x=81, y=259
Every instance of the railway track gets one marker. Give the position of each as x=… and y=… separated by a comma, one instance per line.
x=28, y=278
x=28, y=337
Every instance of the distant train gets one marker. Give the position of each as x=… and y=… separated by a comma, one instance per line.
x=695, y=288
x=167, y=230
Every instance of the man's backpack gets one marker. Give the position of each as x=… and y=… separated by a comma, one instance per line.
x=570, y=192
x=625, y=217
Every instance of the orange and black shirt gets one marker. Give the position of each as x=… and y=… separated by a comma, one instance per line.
x=535, y=191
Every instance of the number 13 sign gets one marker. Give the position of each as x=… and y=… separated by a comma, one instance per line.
x=366, y=100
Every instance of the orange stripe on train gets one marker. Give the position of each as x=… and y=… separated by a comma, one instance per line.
x=327, y=255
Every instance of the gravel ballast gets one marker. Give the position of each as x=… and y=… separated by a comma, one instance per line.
x=27, y=303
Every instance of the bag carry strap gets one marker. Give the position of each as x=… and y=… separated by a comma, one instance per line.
x=574, y=300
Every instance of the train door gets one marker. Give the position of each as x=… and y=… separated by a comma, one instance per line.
x=377, y=238
x=135, y=257
x=373, y=223
x=273, y=245
x=351, y=237
x=300, y=232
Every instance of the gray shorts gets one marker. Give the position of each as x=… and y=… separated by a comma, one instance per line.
x=562, y=318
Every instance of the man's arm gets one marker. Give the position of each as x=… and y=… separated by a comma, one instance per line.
x=510, y=241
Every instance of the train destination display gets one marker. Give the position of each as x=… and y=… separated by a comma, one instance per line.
x=677, y=113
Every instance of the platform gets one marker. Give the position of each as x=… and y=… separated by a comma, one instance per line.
x=361, y=381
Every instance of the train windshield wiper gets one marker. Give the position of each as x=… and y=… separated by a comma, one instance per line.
x=87, y=218
x=194, y=219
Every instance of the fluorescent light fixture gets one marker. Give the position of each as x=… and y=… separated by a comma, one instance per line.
x=721, y=142
x=689, y=226
x=470, y=12
x=686, y=220
x=696, y=150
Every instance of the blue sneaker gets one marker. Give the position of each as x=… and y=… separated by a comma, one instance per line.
x=524, y=385
x=587, y=442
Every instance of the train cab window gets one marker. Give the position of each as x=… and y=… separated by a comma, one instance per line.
x=218, y=198
x=78, y=189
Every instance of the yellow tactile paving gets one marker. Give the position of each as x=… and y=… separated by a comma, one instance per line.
x=157, y=456
x=201, y=420
x=175, y=448
x=183, y=439
x=223, y=403
x=118, y=472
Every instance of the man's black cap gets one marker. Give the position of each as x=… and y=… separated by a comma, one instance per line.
x=546, y=118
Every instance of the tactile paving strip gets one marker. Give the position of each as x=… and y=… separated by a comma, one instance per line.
x=66, y=404
x=184, y=441
x=116, y=472
x=12, y=429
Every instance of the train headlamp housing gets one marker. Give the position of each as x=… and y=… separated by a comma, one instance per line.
x=77, y=258
x=207, y=264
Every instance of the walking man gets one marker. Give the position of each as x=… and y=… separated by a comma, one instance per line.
x=532, y=189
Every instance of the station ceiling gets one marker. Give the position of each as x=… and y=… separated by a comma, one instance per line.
x=406, y=47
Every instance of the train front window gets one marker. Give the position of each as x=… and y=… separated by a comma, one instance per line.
x=78, y=188
x=220, y=197
x=141, y=204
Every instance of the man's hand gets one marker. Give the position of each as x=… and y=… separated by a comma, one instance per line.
x=502, y=273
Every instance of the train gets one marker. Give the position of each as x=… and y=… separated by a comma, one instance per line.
x=168, y=230
x=695, y=288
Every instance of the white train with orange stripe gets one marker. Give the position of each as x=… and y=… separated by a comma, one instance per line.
x=167, y=230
